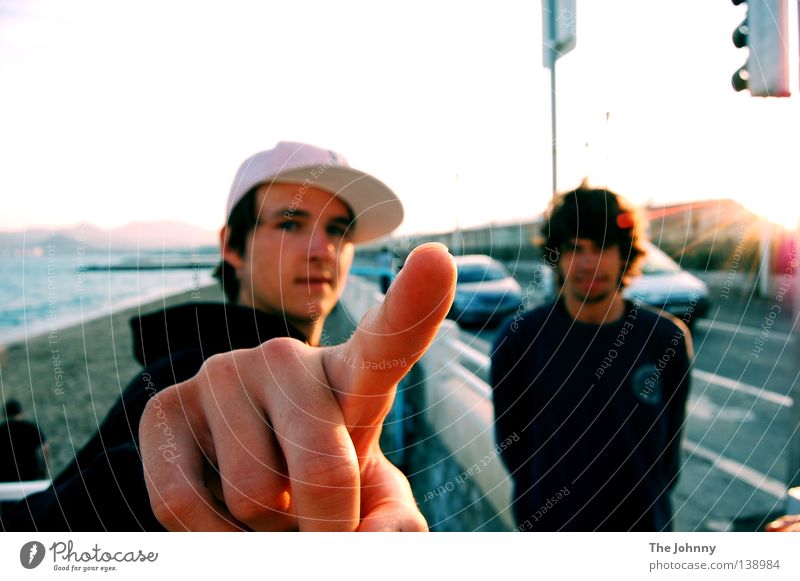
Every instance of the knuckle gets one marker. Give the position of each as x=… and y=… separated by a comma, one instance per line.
x=172, y=507
x=250, y=503
x=159, y=403
x=335, y=469
x=219, y=366
x=281, y=347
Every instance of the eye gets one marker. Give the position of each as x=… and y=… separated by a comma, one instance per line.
x=338, y=230
x=288, y=225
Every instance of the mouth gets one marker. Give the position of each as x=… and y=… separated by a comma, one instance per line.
x=314, y=281
x=591, y=283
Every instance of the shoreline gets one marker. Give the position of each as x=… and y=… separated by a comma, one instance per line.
x=45, y=326
x=68, y=377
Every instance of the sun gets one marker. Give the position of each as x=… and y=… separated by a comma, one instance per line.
x=783, y=212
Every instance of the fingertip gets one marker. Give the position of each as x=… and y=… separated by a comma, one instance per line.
x=436, y=246
x=423, y=291
x=436, y=259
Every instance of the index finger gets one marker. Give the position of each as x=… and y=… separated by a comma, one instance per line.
x=392, y=337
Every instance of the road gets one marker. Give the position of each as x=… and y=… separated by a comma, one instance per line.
x=739, y=420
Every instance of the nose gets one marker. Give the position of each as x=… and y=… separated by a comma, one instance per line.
x=588, y=260
x=321, y=246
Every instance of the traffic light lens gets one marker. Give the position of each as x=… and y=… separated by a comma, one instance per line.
x=739, y=79
x=740, y=35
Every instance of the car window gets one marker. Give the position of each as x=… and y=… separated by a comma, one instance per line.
x=480, y=272
x=656, y=262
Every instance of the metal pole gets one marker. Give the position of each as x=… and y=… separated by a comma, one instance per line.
x=793, y=504
x=765, y=268
x=553, y=118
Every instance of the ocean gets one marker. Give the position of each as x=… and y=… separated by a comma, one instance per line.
x=53, y=290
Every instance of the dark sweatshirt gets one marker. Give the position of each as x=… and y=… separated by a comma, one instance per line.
x=598, y=412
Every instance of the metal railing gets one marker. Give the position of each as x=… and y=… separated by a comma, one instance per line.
x=14, y=491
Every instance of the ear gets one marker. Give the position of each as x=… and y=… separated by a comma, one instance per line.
x=558, y=274
x=229, y=255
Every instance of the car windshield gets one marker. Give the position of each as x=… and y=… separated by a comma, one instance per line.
x=480, y=272
x=656, y=262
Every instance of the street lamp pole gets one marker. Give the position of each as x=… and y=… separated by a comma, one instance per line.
x=558, y=38
x=553, y=131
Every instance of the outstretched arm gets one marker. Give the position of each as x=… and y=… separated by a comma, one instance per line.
x=286, y=435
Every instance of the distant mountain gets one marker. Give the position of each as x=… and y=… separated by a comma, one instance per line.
x=163, y=234
x=38, y=236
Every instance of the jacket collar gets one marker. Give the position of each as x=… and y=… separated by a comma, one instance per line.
x=210, y=327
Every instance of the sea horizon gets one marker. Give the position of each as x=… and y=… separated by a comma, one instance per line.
x=41, y=294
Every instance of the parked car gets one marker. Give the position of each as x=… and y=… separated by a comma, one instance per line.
x=664, y=285
x=485, y=291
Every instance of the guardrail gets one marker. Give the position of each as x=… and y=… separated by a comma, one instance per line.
x=458, y=407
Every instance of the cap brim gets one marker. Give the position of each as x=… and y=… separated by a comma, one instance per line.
x=377, y=210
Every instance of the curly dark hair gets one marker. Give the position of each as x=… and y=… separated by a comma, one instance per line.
x=599, y=215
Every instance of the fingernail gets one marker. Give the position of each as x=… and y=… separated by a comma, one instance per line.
x=420, y=248
x=426, y=246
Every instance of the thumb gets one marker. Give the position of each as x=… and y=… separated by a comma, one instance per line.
x=365, y=370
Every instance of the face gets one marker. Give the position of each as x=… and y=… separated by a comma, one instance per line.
x=591, y=274
x=297, y=258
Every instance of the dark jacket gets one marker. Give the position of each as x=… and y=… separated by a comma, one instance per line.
x=104, y=488
x=589, y=417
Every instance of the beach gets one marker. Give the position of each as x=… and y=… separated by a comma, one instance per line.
x=67, y=379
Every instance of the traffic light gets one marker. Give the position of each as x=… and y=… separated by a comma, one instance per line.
x=764, y=31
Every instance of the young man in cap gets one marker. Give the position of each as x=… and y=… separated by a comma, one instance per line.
x=242, y=422
x=594, y=386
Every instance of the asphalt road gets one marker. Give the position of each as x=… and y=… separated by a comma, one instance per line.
x=739, y=415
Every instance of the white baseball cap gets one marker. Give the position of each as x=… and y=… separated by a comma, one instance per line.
x=376, y=208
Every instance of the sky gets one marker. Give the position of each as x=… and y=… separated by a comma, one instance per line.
x=113, y=111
